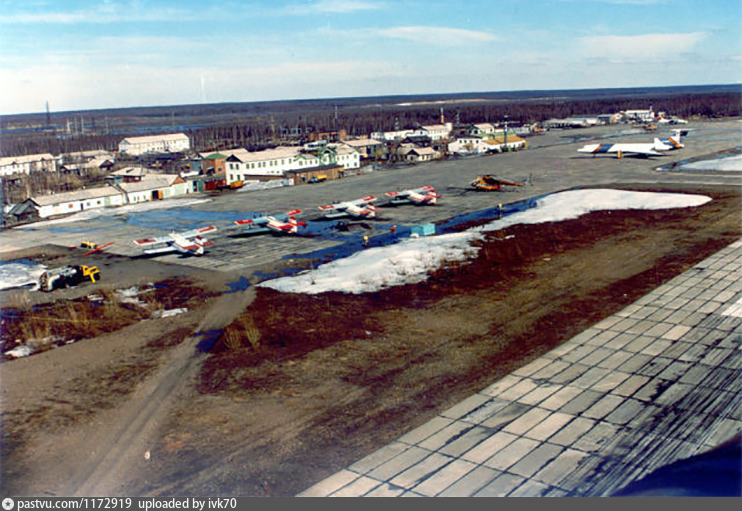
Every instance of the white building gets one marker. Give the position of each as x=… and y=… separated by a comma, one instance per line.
x=473, y=145
x=30, y=163
x=243, y=165
x=435, y=132
x=153, y=187
x=173, y=143
x=69, y=202
x=483, y=128
x=347, y=156
x=391, y=136
x=640, y=115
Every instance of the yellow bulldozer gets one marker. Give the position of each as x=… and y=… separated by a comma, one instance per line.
x=490, y=183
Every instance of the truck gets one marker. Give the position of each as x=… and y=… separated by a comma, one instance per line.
x=66, y=276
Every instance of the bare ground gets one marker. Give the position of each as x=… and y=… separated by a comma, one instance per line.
x=298, y=387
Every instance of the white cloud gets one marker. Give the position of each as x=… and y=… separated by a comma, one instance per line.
x=441, y=36
x=331, y=7
x=100, y=14
x=345, y=6
x=647, y=47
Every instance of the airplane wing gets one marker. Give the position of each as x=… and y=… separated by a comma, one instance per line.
x=198, y=232
x=640, y=149
x=147, y=242
x=260, y=221
x=341, y=206
x=364, y=201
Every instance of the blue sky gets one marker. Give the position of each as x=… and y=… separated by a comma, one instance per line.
x=82, y=54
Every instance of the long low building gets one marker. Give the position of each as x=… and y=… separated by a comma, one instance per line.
x=46, y=206
x=171, y=143
x=151, y=187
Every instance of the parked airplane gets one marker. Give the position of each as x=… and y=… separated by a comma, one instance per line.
x=188, y=242
x=282, y=223
x=417, y=196
x=634, y=148
x=360, y=208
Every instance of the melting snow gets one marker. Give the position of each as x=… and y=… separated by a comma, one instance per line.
x=168, y=313
x=20, y=351
x=572, y=204
x=406, y=262
x=19, y=274
x=411, y=260
x=728, y=164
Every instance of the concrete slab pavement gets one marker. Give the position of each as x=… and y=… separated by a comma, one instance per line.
x=621, y=399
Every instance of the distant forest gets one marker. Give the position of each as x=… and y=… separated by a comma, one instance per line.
x=263, y=124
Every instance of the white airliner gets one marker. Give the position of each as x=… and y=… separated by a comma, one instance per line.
x=647, y=149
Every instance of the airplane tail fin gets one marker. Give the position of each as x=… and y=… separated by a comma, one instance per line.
x=675, y=140
x=659, y=145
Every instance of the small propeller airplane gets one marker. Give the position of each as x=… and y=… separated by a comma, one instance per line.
x=360, y=208
x=189, y=242
x=418, y=196
x=645, y=150
x=282, y=223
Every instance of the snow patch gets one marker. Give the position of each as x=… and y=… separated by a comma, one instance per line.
x=378, y=268
x=158, y=314
x=575, y=203
x=20, y=274
x=728, y=164
x=23, y=350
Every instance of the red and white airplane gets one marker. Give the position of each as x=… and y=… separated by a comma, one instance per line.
x=282, y=223
x=360, y=208
x=417, y=196
x=189, y=242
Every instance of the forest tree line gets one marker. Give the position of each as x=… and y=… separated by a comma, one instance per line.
x=262, y=127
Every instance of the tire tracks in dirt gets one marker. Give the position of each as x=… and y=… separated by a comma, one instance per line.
x=116, y=451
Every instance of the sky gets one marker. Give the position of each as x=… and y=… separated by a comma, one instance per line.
x=84, y=54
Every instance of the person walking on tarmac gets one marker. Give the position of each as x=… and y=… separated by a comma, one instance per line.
x=365, y=241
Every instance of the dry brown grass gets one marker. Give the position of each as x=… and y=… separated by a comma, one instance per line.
x=44, y=326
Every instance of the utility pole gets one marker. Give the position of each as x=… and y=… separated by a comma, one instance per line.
x=507, y=117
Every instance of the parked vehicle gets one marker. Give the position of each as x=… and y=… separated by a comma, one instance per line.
x=65, y=276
